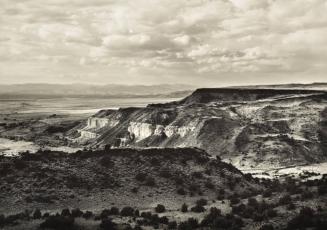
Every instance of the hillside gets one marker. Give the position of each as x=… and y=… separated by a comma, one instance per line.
x=123, y=189
x=121, y=177
x=248, y=127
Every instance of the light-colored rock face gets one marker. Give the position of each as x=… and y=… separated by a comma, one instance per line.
x=92, y=126
x=160, y=129
x=182, y=131
x=87, y=134
x=143, y=130
x=97, y=123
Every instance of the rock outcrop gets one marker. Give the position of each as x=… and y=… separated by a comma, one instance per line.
x=248, y=127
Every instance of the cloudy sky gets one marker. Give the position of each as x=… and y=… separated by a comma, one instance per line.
x=201, y=42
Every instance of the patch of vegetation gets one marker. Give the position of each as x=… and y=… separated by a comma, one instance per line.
x=160, y=208
x=58, y=223
x=307, y=218
x=127, y=211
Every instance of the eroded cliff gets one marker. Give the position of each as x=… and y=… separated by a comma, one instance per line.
x=250, y=128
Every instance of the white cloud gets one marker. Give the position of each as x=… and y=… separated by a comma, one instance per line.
x=182, y=40
x=188, y=39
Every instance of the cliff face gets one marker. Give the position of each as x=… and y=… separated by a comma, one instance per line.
x=249, y=128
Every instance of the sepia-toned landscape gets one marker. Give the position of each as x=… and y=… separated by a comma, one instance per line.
x=163, y=114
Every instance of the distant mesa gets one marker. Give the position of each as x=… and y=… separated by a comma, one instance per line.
x=249, y=127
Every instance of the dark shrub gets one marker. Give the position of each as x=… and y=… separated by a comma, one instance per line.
x=220, y=197
x=160, y=208
x=134, y=190
x=56, y=129
x=190, y=224
x=183, y=226
x=20, y=164
x=37, y=214
x=267, y=227
x=2, y=220
x=258, y=217
x=217, y=221
x=107, y=224
x=107, y=148
x=163, y=220
x=231, y=183
x=197, y=175
x=209, y=219
x=114, y=211
x=178, y=180
x=234, y=200
x=154, y=220
x=136, y=213
x=154, y=162
x=306, y=195
x=184, y=208
x=194, y=187
x=127, y=227
x=306, y=212
x=138, y=227
x=208, y=171
x=146, y=215
x=172, y=225
x=239, y=209
x=322, y=189
x=77, y=212
x=252, y=202
x=140, y=177
x=267, y=193
x=104, y=214
x=291, y=206
x=65, y=212
x=202, y=202
x=271, y=213
x=73, y=181
x=127, y=211
x=285, y=200
x=193, y=223
x=248, y=177
x=150, y=181
x=181, y=191
x=87, y=215
x=198, y=208
x=165, y=173
x=107, y=162
x=305, y=219
x=209, y=185
x=58, y=222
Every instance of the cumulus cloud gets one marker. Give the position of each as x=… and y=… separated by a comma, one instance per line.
x=157, y=41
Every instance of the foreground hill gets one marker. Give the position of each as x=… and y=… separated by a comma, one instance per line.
x=98, y=179
x=124, y=189
x=248, y=127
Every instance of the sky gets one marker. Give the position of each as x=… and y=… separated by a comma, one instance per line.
x=198, y=42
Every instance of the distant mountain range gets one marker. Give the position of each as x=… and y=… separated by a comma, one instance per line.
x=114, y=90
x=312, y=86
x=176, y=90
